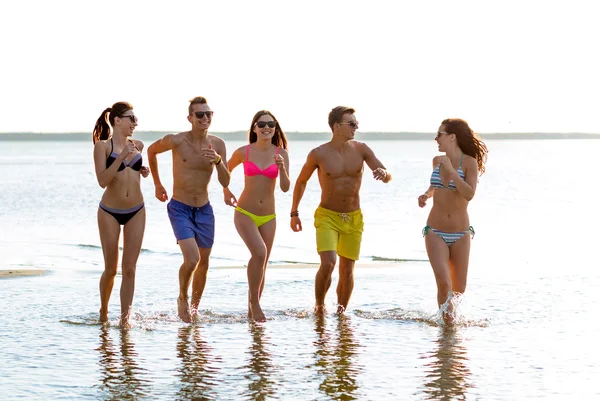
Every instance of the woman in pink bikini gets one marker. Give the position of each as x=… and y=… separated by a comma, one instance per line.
x=448, y=231
x=264, y=158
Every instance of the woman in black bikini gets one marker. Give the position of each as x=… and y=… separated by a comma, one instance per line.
x=118, y=163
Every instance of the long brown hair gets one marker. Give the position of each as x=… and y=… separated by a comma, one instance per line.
x=278, y=139
x=468, y=141
x=102, y=130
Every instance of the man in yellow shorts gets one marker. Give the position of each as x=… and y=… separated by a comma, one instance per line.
x=338, y=219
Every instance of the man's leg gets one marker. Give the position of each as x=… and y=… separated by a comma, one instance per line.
x=191, y=258
x=346, y=283
x=323, y=279
x=200, y=278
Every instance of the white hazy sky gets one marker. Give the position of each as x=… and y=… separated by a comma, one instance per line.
x=504, y=66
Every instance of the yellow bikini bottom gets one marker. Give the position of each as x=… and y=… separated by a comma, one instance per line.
x=258, y=220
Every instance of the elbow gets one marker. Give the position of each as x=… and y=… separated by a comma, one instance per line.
x=285, y=188
x=468, y=197
x=102, y=185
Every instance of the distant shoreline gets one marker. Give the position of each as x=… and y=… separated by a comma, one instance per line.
x=293, y=136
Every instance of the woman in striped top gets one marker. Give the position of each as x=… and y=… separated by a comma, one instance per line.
x=448, y=232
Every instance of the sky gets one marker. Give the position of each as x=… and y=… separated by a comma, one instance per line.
x=504, y=66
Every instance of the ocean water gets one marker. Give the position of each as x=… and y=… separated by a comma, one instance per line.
x=527, y=327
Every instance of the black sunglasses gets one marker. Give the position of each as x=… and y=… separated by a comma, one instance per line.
x=201, y=114
x=351, y=124
x=133, y=119
x=263, y=124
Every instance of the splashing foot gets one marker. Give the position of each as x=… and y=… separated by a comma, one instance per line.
x=320, y=310
x=103, y=316
x=257, y=313
x=183, y=310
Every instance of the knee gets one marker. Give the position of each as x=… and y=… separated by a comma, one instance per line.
x=110, y=271
x=327, y=266
x=444, y=285
x=259, y=252
x=129, y=272
x=191, y=262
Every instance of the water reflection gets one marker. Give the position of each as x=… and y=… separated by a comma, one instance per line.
x=260, y=365
x=197, y=371
x=335, y=358
x=447, y=371
x=121, y=376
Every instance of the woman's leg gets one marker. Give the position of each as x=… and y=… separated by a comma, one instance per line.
x=459, y=263
x=267, y=232
x=133, y=235
x=439, y=254
x=109, y=230
x=258, y=251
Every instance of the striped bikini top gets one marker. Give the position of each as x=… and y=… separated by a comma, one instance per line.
x=436, y=180
x=252, y=169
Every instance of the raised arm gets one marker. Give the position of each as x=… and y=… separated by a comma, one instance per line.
x=467, y=187
x=223, y=172
x=379, y=171
x=236, y=159
x=309, y=167
x=164, y=144
x=284, y=168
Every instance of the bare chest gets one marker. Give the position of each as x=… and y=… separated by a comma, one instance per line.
x=190, y=158
x=336, y=166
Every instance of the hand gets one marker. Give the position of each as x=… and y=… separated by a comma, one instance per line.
x=423, y=200
x=210, y=154
x=279, y=161
x=296, y=224
x=379, y=173
x=445, y=162
x=161, y=193
x=127, y=150
x=230, y=198
x=145, y=171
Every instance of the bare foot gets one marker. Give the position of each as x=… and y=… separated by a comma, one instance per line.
x=124, y=324
x=341, y=310
x=257, y=313
x=183, y=310
x=448, y=318
x=320, y=310
x=103, y=316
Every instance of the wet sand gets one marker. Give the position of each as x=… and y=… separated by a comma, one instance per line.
x=21, y=273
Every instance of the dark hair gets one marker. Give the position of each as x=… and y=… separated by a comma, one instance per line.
x=196, y=100
x=468, y=142
x=337, y=113
x=102, y=130
x=278, y=139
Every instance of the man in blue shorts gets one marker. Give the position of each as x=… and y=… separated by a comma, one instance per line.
x=196, y=154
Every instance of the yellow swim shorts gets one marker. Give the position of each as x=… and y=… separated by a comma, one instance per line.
x=340, y=232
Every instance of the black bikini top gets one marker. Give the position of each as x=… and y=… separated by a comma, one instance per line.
x=135, y=163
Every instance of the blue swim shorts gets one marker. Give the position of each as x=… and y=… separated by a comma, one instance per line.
x=192, y=222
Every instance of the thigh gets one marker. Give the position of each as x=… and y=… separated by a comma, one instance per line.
x=459, y=262
x=189, y=249
x=248, y=231
x=267, y=232
x=110, y=231
x=133, y=235
x=438, y=254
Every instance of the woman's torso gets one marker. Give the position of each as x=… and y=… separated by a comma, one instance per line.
x=124, y=191
x=260, y=176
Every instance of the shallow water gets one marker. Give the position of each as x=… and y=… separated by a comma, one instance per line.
x=528, y=320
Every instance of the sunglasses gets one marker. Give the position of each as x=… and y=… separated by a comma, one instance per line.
x=352, y=124
x=439, y=135
x=133, y=119
x=263, y=124
x=201, y=114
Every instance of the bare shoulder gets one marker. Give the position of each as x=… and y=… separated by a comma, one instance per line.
x=101, y=146
x=215, y=140
x=435, y=161
x=283, y=152
x=469, y=162
x=138, y=144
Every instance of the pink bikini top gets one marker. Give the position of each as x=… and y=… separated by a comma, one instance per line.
x=251, y=169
